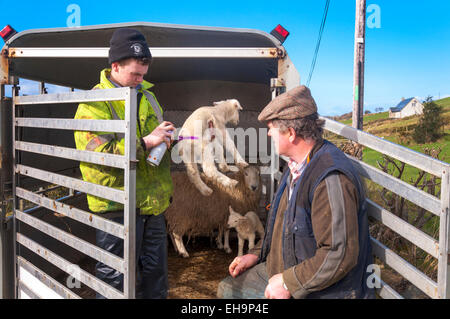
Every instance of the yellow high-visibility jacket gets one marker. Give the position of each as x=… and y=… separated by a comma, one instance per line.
x=153, y=184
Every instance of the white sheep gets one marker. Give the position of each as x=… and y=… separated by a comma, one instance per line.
x=208, y=136
x=193, y=214
x=246, y=226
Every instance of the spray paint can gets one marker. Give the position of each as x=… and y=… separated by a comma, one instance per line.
x=157, y=153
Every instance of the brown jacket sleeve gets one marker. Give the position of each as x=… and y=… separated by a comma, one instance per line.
x=335, y=226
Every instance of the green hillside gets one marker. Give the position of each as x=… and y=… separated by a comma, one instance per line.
x=400, y=131
x=369, y=118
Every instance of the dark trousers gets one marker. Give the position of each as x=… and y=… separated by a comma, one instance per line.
x=249, y=285
x=151, y=257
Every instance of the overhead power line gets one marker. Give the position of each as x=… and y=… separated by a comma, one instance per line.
x=322, y=26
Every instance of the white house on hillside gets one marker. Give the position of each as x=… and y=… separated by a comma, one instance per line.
x=408, y=107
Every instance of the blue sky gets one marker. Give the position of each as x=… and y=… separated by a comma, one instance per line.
x=409, y=55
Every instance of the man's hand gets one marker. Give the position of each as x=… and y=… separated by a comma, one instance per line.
x=159, y=134
x=241, y=264
x=275, y=289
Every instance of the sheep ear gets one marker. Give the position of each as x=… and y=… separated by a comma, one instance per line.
x=217, y=103
x=238, y=105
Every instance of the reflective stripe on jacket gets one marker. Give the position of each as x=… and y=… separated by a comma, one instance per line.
x=153, y=184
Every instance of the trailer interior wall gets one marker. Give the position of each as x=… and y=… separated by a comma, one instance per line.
x=181, y=84
x=5, y=141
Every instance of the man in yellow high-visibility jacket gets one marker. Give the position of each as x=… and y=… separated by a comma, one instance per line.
x=130, y=57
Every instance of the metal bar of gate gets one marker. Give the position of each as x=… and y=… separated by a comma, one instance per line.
x=14, y=180
x=411, y=273
x=405, y=190
x=130, y=193
x=386, y=292
x=75, y=183
x=73, y=154
x=404, y=229
x=116, y=94
x=115, y=126
x=46, y=279
x=171, y=52
x=274, y=156
x=444, y=237
x=24, y=289
x=74, y=213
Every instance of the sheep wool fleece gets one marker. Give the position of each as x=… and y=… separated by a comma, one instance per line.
x=153, y=184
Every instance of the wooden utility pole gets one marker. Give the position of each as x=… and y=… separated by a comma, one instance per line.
x=358, y=66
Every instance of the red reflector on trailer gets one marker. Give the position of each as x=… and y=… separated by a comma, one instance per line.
x=7, y=32
x=282, y=31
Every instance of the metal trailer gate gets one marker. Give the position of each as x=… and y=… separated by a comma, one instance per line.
x=28, y=276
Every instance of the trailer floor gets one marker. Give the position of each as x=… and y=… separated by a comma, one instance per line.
x=198, y=276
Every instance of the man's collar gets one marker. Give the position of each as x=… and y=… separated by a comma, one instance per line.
x=295, y=168
x=316, y=147
x=114, y=83
x=117, y=85
x=105, y=79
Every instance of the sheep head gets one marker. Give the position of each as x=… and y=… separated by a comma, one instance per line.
x=234, y=218
x=252, y=178
x=230, y=109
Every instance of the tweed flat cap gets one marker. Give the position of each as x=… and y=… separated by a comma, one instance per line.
x=293, y=104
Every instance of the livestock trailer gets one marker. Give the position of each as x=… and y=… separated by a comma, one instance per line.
x=191, y=67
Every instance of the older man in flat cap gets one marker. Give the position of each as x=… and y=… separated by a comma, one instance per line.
x=317, y=238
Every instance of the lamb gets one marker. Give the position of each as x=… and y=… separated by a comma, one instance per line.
x=193, y=214
x=207, y=127
x=246, y=227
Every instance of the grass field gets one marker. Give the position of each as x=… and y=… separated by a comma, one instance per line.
x=369, y=118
